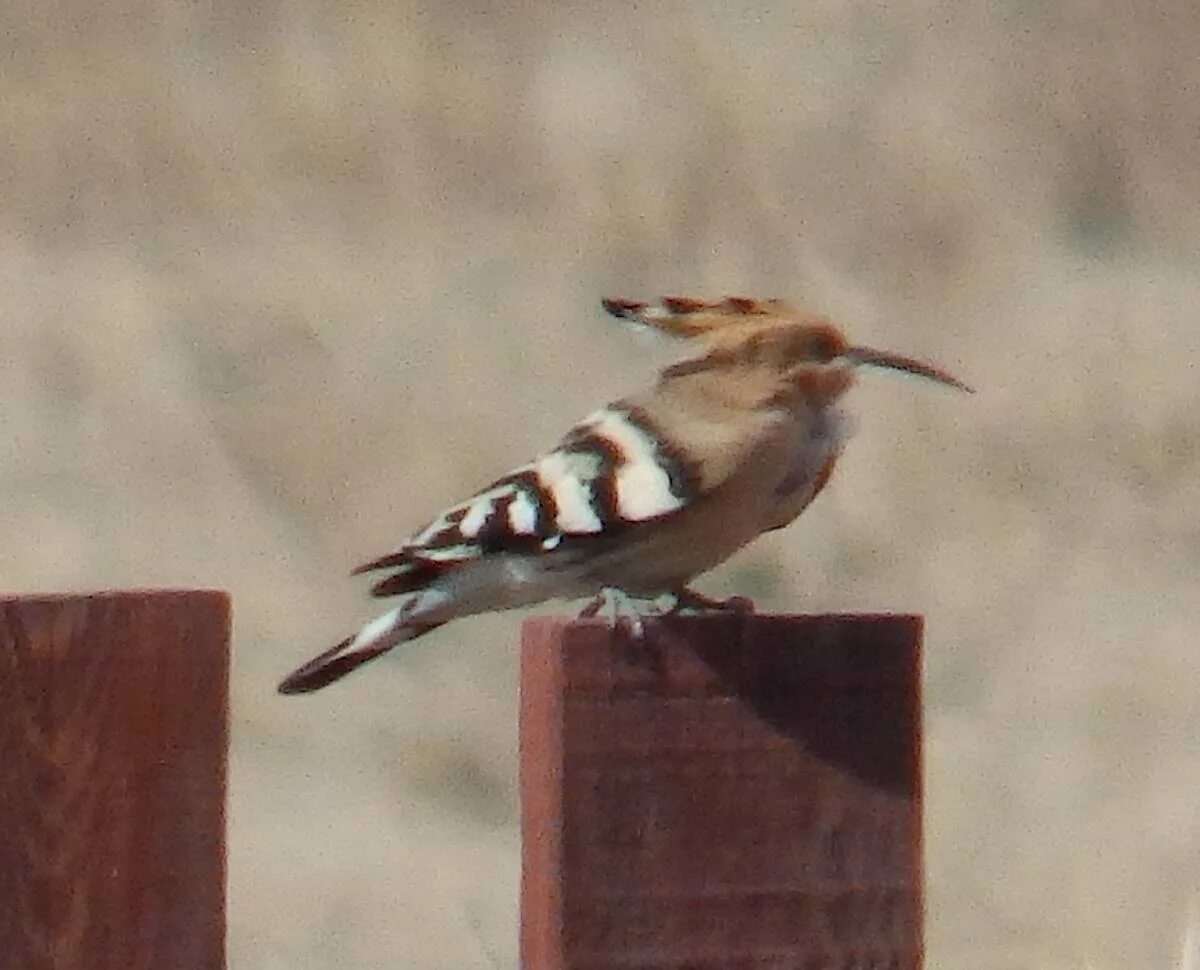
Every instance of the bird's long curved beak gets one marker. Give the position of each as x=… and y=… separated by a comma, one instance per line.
x=882, y=358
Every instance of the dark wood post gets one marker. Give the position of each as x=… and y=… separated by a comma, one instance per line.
x=727, y=793
x=113, y=738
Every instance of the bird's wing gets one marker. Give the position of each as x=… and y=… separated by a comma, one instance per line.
x=631, y=464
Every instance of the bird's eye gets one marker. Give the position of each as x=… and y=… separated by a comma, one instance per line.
x=822, y=346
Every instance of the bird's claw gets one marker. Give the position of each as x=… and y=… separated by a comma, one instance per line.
x=689, y=601
x=622, y=609
x=593, y=606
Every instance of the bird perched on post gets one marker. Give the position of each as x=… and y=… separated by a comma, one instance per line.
x=644, y=494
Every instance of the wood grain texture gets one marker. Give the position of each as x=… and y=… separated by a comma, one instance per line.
x=113, y=741
x=728, y=793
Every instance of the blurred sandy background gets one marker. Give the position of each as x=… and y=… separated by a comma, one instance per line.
x=279, y=279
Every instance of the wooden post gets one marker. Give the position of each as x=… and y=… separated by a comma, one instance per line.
x=728, y=793
x=113, y=738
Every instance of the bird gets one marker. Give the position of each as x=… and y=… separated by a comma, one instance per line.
x=644, y=494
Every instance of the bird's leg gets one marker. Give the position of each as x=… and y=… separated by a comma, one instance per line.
x=693, y=602
x=622, y=609
x=594, y=605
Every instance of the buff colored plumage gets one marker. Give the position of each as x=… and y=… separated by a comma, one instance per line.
x=644, y=494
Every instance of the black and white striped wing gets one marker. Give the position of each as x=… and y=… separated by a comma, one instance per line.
x=613, y=471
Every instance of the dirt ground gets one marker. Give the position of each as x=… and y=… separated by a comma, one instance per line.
x=282, y=278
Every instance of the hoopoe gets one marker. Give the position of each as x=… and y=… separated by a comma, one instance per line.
x=644, y=494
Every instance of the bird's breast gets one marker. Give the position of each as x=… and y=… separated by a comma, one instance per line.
x=817, y=437
x=815, y=444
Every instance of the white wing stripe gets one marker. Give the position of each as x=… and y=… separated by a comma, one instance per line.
x=463, y=550
x=643, y=485
x=522, y=514
x=481, y=507
x=434, y=527
x=644, y=492
x=563, y=474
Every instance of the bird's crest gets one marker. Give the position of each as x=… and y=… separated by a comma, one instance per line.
x=736, y=330
x=712, y=322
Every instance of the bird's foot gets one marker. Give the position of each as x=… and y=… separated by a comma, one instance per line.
x=624, y=612
x=593, y=606
x=688, y=602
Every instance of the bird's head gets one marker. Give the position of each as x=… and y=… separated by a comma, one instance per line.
x=770, y=337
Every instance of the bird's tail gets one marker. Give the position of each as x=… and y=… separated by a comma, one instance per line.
x=397, y=626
